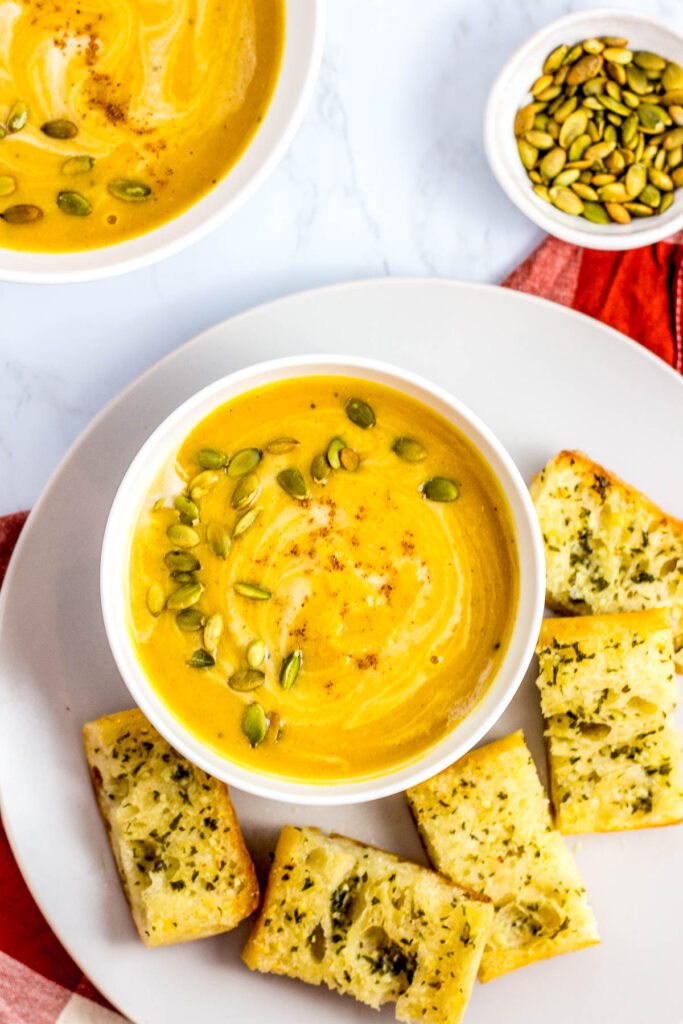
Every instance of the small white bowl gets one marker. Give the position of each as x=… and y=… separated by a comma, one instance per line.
x=304, y=36
x=511, y=90
x=162, y=447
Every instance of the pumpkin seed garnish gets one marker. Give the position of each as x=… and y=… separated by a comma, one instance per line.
x=190, y=619
x=246, y=521
x=319, y=469
x=156, y=599
x=18, y=117
x=7, y=184
x=159, y=503
x=440, y=489
x=291, y=481
x=183, y=561
x=218, y=539
x=290, y=669
x=73, y=204
x=187, y=508
x=254, y=724
x=334, y=449
x=211, y=458
x=256, y=653
x=182, y=535
x=243, y=462
x=59, y=129
x=23, y=213
x=281, y=445
x=200, y=659
x=246, y=679
x=360, y=413
x=77, y=165
x=128, y=190
x=183, y=577
x=350, y=459
x=409, y=449
x=252, y=591
x=184, y=597
x=246, y=492
x=201, y=483
x=213, y=630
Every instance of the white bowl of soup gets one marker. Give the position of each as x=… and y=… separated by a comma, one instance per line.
x=322, y=579
x=129, y=130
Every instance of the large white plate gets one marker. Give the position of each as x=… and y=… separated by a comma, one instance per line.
x=543, y=378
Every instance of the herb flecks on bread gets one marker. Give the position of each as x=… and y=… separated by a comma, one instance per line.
x=365, y=923
x=608, y=695
x=485, y=823
x=608, y=548
x=176, y=841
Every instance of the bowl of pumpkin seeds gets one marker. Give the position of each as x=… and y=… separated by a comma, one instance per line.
x=584, y=129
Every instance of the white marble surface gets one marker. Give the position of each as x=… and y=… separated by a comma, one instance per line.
x=387, y=175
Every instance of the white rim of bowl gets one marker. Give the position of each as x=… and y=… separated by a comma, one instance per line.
x=610, y=237
x=115, y=546
x=298, y=73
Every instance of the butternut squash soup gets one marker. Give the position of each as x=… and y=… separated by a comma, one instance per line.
x=324, y=582
x=116, y=115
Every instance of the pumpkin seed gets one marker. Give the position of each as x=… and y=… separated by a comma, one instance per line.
x=595, y=213
x=213, y=630
x=349, y=459
x=541, y=140
x=77, y=165
x=439, y=488
x=528, y=154
x=585, y=192
x=584, y=68
x=542, y=192
x=541, y=84
x=184, y=597
x=256, y=653
x=677, y=177
x=59, y=129
x=218, y=539
x=23, y=213
x=246, y=492
x=676, y=113
x=183, y=577
x=673, y=139
x=635, y=180
x=637, y=80
x=186, y=507
x=554, y=59
x=651, y=196
x=524, y=120
x=320, y=469
x=650, y=117
x=573, y=54
x=182, y=535
x=156, y=599
x=614, y=193
x=648, y=61
x=639, y=209
x=566, y=177
x=667, y=200
x=182, y=561
x=243, y=462
x=201, y=483
x=660, y=180
x=617, y=55
x=552, y=163
x=593, y=45
x=598, y=151
x=566, y=109
x=360, y=413
x=246, y=679
x=190, y=620
x=578, y=147
x=246, y=521
x=567, y=201
x=211, y=458
x=18, y=117
x=292, y=482
x=129, y=191
x=334, y=448
x=281, y=445
x=614, y=106
x=200, y=659
x=672, y=76
x=618, y=213
x=573, y=127
x=254, y=724
x=7, y=184
x=408, y=449
x=290, y=669
x=251, y=590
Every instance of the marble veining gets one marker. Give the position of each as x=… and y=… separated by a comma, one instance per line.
x=386, y=176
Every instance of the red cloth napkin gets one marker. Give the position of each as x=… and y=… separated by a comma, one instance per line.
x=640, y=293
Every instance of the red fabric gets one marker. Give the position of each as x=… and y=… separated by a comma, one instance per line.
x=638, y=292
